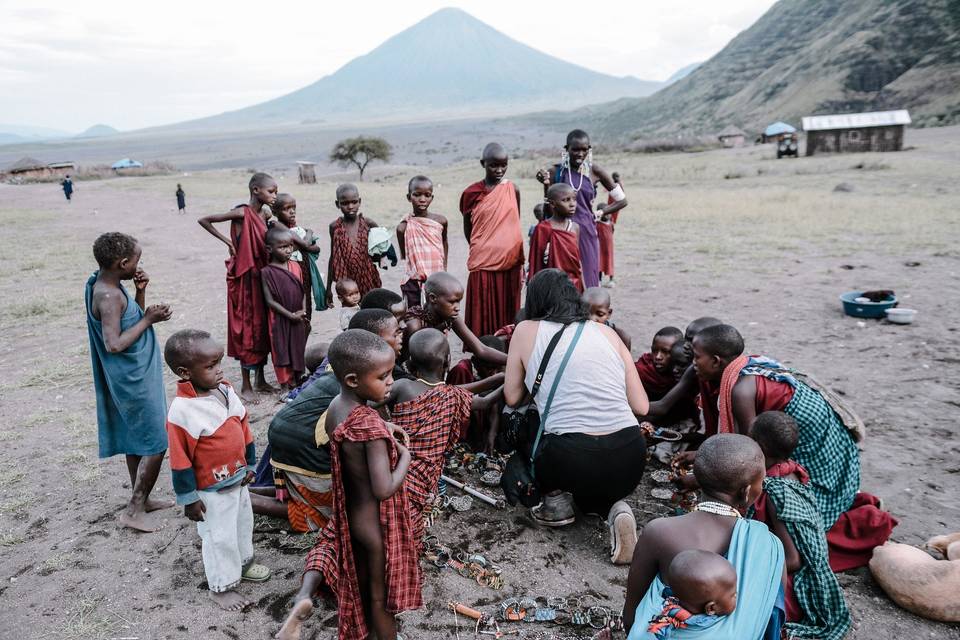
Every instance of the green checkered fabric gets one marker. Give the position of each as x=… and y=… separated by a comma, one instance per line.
x=825, y=614
x=827, y=451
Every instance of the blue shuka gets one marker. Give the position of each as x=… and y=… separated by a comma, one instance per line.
x=131, y=401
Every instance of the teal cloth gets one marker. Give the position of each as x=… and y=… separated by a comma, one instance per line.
x=825, y=613
x=131, y=401
x=757, y=555
x=316, y=281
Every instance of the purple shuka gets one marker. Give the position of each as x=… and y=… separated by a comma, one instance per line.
x=287, y=339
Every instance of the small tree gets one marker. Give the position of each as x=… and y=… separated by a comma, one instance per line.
x=360, y=151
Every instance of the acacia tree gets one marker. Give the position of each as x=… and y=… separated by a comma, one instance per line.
x=360, y=151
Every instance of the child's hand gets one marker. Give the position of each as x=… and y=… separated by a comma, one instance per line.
x=231, y=250
x=399, y=434
x=158, y=313
x=195, y=511
x=543, y=175
x=300, y=316
x=141, y=279
x=247, y=479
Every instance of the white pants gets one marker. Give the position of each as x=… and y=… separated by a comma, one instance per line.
x=227, y=535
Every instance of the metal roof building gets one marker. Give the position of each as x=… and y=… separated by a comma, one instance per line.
x=856, y=132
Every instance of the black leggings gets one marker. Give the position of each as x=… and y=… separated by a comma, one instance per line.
x=597, y=470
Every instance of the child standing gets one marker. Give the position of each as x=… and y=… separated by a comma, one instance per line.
x=283, y=292
x=127, y=372
x=181, y=199
x=285, y=216
x=248, y=337
x=423, y=239
x=349, y=295
x=348, y=245
x=555, y=242
x=212, y=460
x=373, y=568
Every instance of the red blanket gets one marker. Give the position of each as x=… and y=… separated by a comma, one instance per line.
x=350, y=257
x=552, y=248
x=247, y=329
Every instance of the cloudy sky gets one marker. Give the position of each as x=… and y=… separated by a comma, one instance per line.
x=134, y=64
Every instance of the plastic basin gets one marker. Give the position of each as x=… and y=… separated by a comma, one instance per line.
x=865, y=309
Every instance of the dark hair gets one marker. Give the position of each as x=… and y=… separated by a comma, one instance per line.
x=111, y=247
x=417, y=179
x=259, y=179
x=428, y=348
x=698, y=325
x=341, y=285
x=345, y=187
x=669, y=332
x=494, y=343
x=380, y=299
x=776, y=433
x=551, y=296
x=577, y=134
x=350, y=352
x=181, y=348
x=277, y=205
x=371, y=320
x=277, y=234
x=727, y=462
x=721, y=340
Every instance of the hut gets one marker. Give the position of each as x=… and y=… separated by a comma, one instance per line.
x=61, y=168
x=731, y=137
x=854, y=132
x=775, y=130
x=305, y=172
x=27, y=167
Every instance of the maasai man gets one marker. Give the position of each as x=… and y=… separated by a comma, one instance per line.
x=248, y=338
x=751, y=385
x=579, y=171
x=491, y=224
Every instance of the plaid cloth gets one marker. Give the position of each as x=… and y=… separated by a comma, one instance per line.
x=825, y=614
x=333, y=553
x=349, y=258
x=424, y=247
x=434, y=420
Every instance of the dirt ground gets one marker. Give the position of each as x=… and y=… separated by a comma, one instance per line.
x=764, y=244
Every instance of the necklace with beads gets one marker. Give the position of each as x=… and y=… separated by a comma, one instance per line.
x=718, y=508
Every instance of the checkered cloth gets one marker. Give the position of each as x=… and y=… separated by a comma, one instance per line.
x=424, y=247
x=434, y=420
x=825, y=614
x=349, y=258
x=333, y=552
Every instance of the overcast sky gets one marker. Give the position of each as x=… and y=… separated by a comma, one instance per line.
x=133, y=64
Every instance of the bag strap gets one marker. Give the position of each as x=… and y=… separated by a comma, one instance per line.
x=553, y=391
x=551, y=347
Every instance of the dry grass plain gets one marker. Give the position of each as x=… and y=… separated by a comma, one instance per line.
x=764, y=244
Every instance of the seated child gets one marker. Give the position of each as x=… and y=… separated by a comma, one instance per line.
x=656, y=368
x=284, y=210
x=285, y=297
x=702, y=584
x=681, y=357
x=434, y=415
x=349, y=296
x=212, y=459
x=814, y=599
x=484, y=425
x=373, y=569
x=384, y=324
x=441, y=310
x=598, y=302
x=556, y=242
x=729, y=468
x=385, y=299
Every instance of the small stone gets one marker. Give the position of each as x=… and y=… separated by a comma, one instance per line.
x=843, y=187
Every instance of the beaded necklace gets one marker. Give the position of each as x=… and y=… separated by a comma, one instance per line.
x=717, y=508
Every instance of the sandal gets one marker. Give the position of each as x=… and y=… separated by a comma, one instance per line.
x=256, y=573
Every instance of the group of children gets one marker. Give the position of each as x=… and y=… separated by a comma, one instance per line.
x=384, y=474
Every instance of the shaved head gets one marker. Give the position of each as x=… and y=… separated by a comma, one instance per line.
x=558, y=190
x=698, y=577
x=720, y=340
x=261, y=180
x=346, y=188
x=442, y=283
x=428, y=349
x=494, y=151
x=728, y=462
x=355, y=351
x=276, y=235
x=699, y=325
x=596, y=295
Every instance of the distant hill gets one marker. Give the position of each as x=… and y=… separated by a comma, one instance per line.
x=19, y=133
x=682, y=73
x=808, y=57
x=447, y=65
x=99, y=131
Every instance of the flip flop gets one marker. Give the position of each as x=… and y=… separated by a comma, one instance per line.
x=256, y=573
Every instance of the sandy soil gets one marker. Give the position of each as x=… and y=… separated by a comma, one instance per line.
x=765, y=244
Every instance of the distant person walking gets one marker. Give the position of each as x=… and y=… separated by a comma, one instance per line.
x=181, y=199
x=67, y=185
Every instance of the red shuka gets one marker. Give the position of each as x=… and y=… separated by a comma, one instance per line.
x=350, y=258
x=605, y=236
x=248, y=338
x=561, y=249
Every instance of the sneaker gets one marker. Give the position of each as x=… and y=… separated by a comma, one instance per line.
x=623, y=533
x=555, y=510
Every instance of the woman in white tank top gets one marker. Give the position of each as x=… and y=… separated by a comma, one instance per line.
x=592, y=452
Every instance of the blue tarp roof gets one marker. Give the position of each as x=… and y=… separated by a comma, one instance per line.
x=126, y=163
x=777, y=128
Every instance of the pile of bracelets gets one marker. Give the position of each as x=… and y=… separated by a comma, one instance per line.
x=488, y=468
x=473, y=566
x=584, y=611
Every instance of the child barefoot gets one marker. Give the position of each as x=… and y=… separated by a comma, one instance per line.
x=349, y=295
x=283, y=292
x=376, y=573
x=212, y=460
x=127, y=372
x=703, y=586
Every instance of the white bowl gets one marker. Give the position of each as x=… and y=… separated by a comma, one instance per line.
x=862, y=300
x=901, y=316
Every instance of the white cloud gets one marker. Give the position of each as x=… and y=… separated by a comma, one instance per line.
x=134, y=64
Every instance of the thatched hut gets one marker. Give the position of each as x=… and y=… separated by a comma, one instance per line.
x=732, y=137
x=27, y=168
